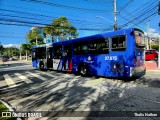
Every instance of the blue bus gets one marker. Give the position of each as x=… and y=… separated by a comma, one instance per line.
x=112, y=54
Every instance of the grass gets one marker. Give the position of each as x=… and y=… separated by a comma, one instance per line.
x=3, y=108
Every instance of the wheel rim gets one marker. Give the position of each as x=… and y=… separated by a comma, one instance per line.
x=83, y=71
x=42, y=66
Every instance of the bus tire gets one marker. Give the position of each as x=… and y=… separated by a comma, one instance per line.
x=83, y=70
x=41, y=66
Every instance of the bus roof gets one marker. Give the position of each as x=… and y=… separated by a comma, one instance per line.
x=111, y=33
x=99, y=35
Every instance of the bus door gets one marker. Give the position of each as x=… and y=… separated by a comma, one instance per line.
x=49, y=57
x=57, y=59
x=67, y=57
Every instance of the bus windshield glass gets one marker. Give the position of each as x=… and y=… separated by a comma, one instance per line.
x=139, y=37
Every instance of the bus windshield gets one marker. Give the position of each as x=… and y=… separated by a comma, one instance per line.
x=139, y=37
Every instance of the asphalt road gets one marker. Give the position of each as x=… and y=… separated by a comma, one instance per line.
x=27, y=89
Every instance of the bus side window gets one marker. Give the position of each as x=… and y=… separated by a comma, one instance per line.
x=99, y=46
x=57, y=51
x=84, y=47
x=119, y=43
x=41, y=53
x=80, y=48
x=67, y=51
x=77, y=48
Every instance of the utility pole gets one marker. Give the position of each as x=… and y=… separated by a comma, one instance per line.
x=147, y=35
x=115, y=15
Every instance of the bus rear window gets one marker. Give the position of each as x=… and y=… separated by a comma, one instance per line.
x=139, y=38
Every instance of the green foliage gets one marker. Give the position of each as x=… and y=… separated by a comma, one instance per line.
x=49, y=30
x=3, y=108
x=10, y=51
x=61, y=27
x=155, y=46
x=26, y=47
x=1, y=48
x=34, y=35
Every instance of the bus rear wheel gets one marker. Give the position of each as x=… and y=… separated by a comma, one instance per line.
x=83, y=70
x=41, y=67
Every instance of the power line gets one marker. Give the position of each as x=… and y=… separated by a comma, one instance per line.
x=28, y=25
x=65, y=6
x=12, y=36
x=124, y=6
x=147, y=17
x=99, y=2
x=44, y=16
x=16, y=16
x=137, y=11
x=37, y=10
x=144, y=14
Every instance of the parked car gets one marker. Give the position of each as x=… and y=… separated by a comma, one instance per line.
x=151, y=55
x=4, y=58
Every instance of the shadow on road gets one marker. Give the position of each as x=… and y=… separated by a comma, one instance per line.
x=73, y=93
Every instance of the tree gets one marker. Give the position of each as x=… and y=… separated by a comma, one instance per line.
x=61, y=28
x=1, y=49
x=26, y=48
x=155, y=46
x=34, y=36
x=48, y=30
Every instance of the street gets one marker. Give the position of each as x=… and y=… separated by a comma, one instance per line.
x=27, y=89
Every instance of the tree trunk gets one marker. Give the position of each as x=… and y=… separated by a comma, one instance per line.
x=26, y=56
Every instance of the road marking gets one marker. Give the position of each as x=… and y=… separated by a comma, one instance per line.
x=9, y=81
x=11, y=68
x=38, y=76
x=24, y=78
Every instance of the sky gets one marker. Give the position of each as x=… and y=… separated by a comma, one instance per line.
x=17, y=17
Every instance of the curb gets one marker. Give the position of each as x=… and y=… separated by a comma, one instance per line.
x=152, y=70
x=10, y=108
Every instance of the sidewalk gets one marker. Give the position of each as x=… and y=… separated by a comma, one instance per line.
x=152, y=66
x=12, y=62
